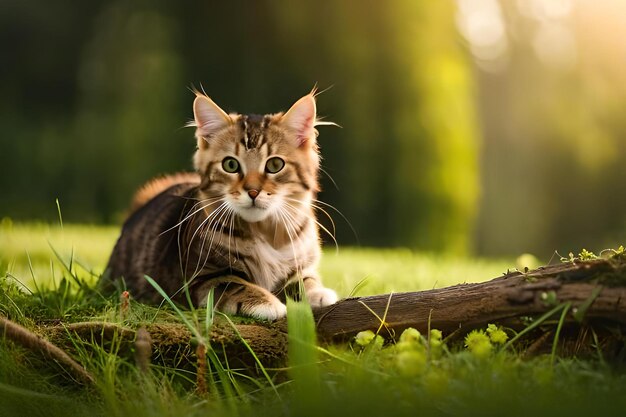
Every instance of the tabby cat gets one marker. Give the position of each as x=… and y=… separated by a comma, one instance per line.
x=243, y=224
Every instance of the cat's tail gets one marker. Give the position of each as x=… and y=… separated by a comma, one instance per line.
x=157, y=185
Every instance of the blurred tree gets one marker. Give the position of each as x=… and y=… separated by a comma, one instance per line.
x=406, y=156
x=551, y=104
x=435, y=185
x=40, y=48
x=130, y=107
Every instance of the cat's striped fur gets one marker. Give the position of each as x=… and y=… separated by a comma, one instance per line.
x=243, y=225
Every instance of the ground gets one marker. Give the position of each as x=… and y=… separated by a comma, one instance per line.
x=410, y=375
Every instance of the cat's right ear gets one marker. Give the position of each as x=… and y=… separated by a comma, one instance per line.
x=209, y=118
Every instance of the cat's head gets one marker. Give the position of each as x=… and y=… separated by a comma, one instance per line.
x=259, y=166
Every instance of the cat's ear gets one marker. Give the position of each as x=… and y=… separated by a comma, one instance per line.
x=300, y=119
x=208, y=117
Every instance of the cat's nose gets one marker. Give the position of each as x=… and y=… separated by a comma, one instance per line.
x=253, y=193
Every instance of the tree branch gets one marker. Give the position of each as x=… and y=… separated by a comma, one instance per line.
x=29, y=340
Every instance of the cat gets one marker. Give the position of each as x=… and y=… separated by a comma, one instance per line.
x=243, y=225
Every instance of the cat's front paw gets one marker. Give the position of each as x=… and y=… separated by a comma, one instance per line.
x=270, y=310
x=321, y=297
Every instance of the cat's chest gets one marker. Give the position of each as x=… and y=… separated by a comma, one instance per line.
x=270, y=267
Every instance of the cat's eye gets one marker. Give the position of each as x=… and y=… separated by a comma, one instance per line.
x=230, y=165
x=273, y=165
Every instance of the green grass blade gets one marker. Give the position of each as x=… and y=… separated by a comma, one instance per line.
x=558, y=331
x=178, y=311
x=359, y=286
x=208, y=320
x=534, y=325
x=81, y=284
x=32, y=273
x=303, y=356
x=16, y=279
x=580, y=312
x=214, y=360
x=249, y=348
x=59, y=212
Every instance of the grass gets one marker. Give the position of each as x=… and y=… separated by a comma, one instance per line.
x=418, y=375
x=370, y=271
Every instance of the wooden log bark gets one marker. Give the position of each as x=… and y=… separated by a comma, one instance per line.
x=600, y=283
x=596, y=288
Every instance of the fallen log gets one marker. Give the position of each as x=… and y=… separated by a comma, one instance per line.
x=597, y=286
x=594, y=291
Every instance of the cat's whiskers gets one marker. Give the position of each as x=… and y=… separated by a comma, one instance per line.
x=227, y=222
x=193, y=213
x=198, y=231
x=188, y=281
x=230, y=233
x=276, y=224
x=209, y=229
x=223, y=218
x=316, y=201
x=312, y=204
x=200, y=228
x=329, y=177
x=211, y=219
x=209, y=202
x=218, y=226
x=203, y=214
x=289, y=224
x=208, y=219
x=312, y=218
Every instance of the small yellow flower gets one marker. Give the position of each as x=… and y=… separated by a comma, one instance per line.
x=369, y=338
x=478, y=343
x=402, y=346
x=364, y=338
x=436, y=335
x=410, y=335
x=586, y=255
x=496, y=334
x=378, y=342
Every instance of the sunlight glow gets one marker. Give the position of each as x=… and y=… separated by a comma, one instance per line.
x=482, y=24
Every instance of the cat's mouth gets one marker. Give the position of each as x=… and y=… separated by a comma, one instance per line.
x=253, y=213
x=252, y=210
x=258, y=205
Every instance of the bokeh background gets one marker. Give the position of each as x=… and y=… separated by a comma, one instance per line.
x=473, y=126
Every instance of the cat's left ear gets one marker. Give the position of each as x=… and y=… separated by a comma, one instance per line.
x=300, y=119
x=209, y=118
